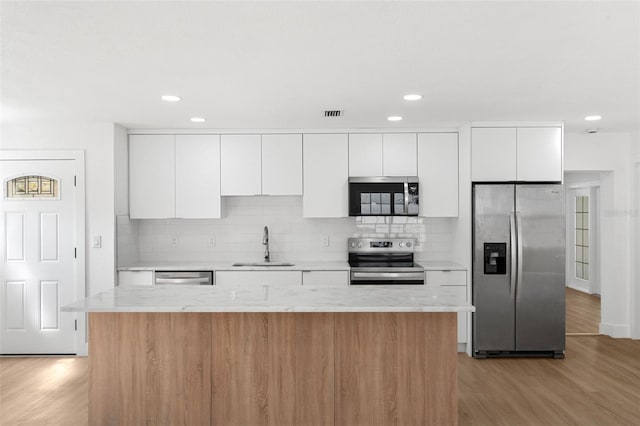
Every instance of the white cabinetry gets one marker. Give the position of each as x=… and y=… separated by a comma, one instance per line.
x=256, y=278
x=282, y=164
x=539, y=154
x=198, y=176
x=365, y=154
x=268, y=164
x=452, y=283
x=438, y=174
x=174, y=176
x=531, y=154
x=135, y=277
x=493, y=154
x=152, y=176
x=326, y=175
x=388, y=154
x=240, y=168
x=399, y=154
x=325, y=279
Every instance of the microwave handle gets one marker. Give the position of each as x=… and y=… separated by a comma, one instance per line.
x=406, y=198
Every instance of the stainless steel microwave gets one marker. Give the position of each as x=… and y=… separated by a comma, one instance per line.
x=383, y=196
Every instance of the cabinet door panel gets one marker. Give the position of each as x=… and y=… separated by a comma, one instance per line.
x=326, y=175
x=282, y=164
x=447, y=278
x=438, y=174
x=325, y=279
x=240, y=165
x=493, y=154
x=539, y=154
x=399, y=152
x=256, y=278
x=151, y=176
x=198, y=176
x=135, y=278
x=365, y=154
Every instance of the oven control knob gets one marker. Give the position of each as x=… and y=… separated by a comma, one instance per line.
x=359, y=245
x=401, y=244
x=408, y=244
x=353, y=244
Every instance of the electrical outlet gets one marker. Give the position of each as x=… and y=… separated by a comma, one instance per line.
x=212, y=242
x=324, y=241
x=174, y=240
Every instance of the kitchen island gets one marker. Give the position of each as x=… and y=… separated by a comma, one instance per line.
x=264, y=355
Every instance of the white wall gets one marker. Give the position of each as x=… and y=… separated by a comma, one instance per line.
x=635, y=219
x=97, y=140
x=121, y=170
x=610, y=152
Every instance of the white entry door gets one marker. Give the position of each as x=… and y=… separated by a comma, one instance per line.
x=38, y=257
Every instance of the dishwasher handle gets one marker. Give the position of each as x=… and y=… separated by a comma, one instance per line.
x=184, y=277
x=183, y=280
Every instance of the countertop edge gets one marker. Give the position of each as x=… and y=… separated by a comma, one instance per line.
x=390, y=309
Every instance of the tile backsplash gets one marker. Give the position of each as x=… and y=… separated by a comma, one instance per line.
x=237, y=236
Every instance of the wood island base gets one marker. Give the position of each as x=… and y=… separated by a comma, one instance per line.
x=355, y=368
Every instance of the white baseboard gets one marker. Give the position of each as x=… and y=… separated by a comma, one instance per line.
x=615, y=330
x=584, y=289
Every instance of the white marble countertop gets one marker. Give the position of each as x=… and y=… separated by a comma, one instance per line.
x=297, y=266
x=263, y=298
x=440, y=265
x=228, y=266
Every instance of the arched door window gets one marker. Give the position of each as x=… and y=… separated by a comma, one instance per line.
x=32, y=187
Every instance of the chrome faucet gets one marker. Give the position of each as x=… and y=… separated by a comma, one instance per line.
x=265, y=242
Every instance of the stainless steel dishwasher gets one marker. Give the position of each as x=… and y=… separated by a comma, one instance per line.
x=184, y=277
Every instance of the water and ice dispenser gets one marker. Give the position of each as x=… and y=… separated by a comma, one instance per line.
x=495, y=258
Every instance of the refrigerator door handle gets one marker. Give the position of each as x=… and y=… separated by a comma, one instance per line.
x=519, y=228
x=514, y=262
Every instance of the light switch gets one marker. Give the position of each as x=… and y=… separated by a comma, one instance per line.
x=96, y=241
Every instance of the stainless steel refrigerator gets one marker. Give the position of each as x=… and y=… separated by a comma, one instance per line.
x=518, y=270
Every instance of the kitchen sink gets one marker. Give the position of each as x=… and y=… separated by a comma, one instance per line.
x=263, y=264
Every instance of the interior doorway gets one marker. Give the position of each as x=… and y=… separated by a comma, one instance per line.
x=583, y=308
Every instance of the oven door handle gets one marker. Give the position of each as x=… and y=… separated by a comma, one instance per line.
x=387, y=275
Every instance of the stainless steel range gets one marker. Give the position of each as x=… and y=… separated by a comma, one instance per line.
x=386, y=261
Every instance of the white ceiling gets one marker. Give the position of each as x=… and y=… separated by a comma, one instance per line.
x=280, y=65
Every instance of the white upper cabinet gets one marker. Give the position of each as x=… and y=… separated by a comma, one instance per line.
x=399, y=152
x=152, y=176
x=174, y=176
x=493, y=154
x=282, y=164
x=326, y=175
x=365, y=154
x=438, y=174
x=198, y=176
x=532, y=154
x=539, y=154
x=240, y=168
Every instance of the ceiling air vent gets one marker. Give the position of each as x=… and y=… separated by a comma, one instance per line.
x=333, y=113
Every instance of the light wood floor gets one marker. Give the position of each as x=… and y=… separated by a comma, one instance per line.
x=583, y=312
x=44, y=391
x=598, y=383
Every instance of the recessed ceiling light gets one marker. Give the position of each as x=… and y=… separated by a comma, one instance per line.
x=412, y=97
x=593, y=117
x=198, y=119
x=394, y=118
x=171, y=98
